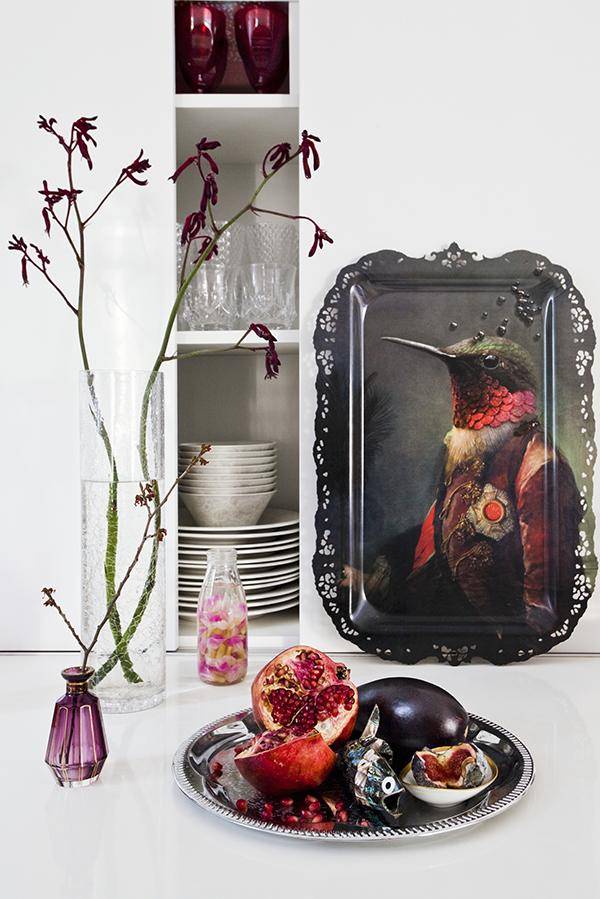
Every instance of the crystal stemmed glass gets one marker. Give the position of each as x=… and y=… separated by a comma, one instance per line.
x=268, y=293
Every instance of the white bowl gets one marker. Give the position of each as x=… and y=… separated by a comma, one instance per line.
x=232, y=446
x=225, y=490
x=223, y=467
x=199, y=477
x=228, y=488
x=444, y=797
x=240, y=458
x=227, y=511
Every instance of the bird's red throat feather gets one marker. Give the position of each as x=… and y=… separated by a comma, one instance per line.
x=481, y=401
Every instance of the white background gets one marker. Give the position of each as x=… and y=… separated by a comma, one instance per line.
x=66, y=59
x=466, y=121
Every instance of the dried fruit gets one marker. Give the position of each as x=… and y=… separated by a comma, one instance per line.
x=464, y=765
x=304, y=688
x=285, y=761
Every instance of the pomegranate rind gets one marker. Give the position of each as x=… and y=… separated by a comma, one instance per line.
x=303, y=763
x=335, y=730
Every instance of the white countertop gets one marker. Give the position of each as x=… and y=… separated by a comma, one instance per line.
x=133, y=835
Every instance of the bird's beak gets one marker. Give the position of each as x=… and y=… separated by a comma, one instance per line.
x=424, y=347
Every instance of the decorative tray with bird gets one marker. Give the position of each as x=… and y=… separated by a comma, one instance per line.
x=455, y=452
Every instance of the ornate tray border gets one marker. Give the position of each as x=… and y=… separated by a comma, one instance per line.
x=452, y=261
x=452, y=823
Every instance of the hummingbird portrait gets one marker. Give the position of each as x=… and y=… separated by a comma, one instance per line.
x=497, y=549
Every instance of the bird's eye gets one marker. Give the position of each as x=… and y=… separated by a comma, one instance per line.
x=490, y=361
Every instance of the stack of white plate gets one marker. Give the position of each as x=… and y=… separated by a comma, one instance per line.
x=267, y=558
x=234, y=488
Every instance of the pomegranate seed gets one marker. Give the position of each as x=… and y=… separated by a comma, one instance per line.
x=307, y=814
x=242, y=806
x=317, y=819
x=287, y=802
x=340, y=806
x=291, y=819
x=314, y=806
x=342, y=816
x=217, y=769
x=310, y=798
x=364, y=823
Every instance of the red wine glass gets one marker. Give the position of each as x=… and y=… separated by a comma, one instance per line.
x=201, y=44
x=261, y=32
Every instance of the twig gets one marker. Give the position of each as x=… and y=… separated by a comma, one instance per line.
x=117, y=183
x=50, y=601
x=206, y=351
x=51, y=282
x=147, y=493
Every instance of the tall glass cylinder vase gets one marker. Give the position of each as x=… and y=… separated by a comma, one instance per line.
x=122, y=483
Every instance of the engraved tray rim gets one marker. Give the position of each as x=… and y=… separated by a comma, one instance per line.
x=435, y=828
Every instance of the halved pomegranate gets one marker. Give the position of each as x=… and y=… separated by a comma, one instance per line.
x=286, y=761
x=304, y=687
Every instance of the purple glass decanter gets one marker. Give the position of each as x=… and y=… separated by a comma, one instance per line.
x=77, y=747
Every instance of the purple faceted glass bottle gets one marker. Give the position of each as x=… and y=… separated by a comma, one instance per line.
x=77, y=746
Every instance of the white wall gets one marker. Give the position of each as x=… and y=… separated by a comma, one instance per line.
x=467, y=121
x=66, y=59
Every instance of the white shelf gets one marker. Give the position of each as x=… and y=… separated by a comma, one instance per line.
x=236, y=101
x=287, y=341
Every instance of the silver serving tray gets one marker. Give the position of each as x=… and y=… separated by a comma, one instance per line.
x=195, y=758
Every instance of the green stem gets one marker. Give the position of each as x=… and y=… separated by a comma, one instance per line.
x=110, y=566
x=138, y=614
x=143, y=453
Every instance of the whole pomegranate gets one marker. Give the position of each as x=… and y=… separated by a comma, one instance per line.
x=287, y=760
x=305, y=688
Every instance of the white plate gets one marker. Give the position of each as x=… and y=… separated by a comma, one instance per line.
x=240, y=540
x=252, y=588
x=271, y=518
x=186, y=561
x=190, y=605
x=253, y=594
x=242, y=549
x=250, y=583
x=191, y=616
x=271, y=576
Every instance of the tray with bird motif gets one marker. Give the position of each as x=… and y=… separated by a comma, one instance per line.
x=204, y=771
x=455, y=452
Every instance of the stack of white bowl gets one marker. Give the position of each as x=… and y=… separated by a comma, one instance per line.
x=236, y=485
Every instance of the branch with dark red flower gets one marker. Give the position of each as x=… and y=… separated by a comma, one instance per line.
x=194, y=227
x=77, y=145
x=272, y=360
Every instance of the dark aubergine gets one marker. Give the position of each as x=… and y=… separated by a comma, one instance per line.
x=414, y=714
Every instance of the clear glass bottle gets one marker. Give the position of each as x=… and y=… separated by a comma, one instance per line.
x=222, y=621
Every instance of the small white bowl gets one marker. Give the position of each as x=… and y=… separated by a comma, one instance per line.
x=225, y=490
x=226, y=511
x=233, y=446
x=445, y=797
